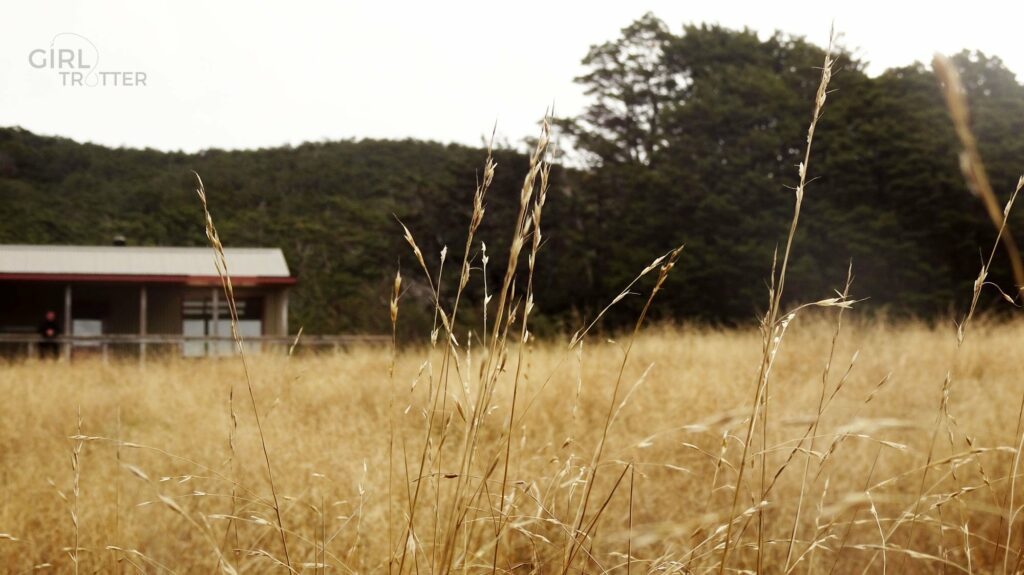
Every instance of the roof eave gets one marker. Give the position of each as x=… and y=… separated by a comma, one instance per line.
x=149, y=278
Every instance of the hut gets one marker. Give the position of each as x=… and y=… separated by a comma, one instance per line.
x=101, y=295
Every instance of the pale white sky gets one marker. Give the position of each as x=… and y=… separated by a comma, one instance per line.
x=234, y=74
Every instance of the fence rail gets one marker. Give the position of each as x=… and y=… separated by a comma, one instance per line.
x=200, y=344
x=167, y=338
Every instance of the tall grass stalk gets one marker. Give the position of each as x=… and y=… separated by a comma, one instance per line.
x=773, y=328
x=221, y=262
x=974, y=173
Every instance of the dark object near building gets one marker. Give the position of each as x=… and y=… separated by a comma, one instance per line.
x=49, y=331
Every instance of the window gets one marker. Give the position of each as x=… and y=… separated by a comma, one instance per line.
x=87, y=327
x=198, y=321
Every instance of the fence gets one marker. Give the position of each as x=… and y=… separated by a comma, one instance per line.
x=186, y=345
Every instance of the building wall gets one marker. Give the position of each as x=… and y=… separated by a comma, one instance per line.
x=24, y=304
x=163, y=303
x=117, y=305
x=275, y=312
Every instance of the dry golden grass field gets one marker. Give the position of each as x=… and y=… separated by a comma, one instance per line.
x=158, y=485
x=819, y=443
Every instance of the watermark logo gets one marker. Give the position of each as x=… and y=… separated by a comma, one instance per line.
x=76, y=62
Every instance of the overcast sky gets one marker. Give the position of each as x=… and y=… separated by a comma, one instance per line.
x=255, y=74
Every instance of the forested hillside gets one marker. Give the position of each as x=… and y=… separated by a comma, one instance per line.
x=331, y=207
x=691, y=137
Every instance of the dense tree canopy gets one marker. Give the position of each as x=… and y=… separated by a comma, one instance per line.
x=690, y=137
x=696, y=138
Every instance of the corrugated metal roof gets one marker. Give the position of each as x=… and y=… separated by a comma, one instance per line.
x=140, y=261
